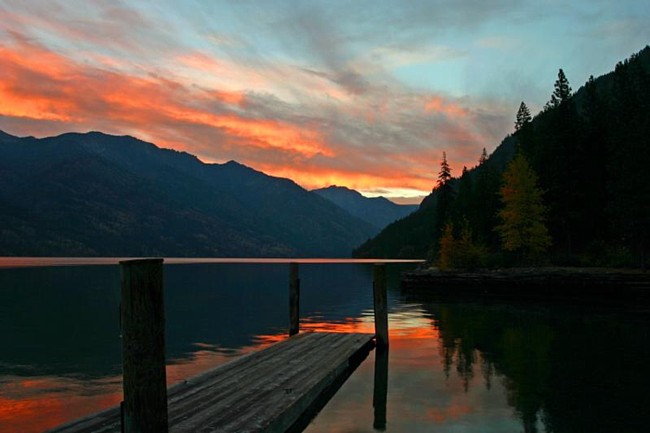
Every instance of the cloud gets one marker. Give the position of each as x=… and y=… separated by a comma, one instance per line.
x=496, y=42
x=437, y=104
x=40, y=84
x=114, y=26
x=332, y=116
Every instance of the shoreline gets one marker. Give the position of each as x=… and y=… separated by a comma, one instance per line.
x=549, y=283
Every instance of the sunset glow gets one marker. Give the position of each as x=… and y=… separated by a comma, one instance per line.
x=318, y=93
x=34, y=405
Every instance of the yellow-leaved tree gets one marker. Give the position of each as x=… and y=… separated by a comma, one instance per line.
x=522, y=229
x=461, y=252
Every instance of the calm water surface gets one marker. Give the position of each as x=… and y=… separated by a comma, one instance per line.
x=452, y=366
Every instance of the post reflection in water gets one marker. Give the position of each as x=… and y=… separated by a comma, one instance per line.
x=380, y=391
x=452, y=366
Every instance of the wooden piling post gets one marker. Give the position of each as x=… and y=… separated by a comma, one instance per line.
x=294, y=299
x=380, y=301
x=142, y=319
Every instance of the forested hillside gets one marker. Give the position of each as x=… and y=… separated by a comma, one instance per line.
x=589, y=153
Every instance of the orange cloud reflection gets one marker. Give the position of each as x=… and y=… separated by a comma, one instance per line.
x=441, y=415
x=35, y=405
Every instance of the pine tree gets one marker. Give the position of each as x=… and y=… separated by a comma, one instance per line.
x=556, y=151
x=629, y=181
x=523, y=116
x=523, y=228
x=445, y=171
x=562, y=90
x=444, y=194
x=463, y=202
x=483, y=157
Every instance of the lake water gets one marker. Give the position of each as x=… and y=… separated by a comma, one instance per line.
x=452, y=366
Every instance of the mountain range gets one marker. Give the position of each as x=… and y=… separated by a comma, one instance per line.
x=378, y=211
x=95, y=194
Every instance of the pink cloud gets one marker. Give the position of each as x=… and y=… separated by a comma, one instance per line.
x=437, y=104
x=381, y=139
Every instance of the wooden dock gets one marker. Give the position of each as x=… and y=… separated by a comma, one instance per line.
x=277, y=389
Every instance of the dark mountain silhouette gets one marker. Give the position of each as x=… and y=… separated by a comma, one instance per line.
x=100, y=195
x=377, y=211
x=591, y=152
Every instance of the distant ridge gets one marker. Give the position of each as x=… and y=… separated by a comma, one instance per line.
x=95, y=194
x=377, y=211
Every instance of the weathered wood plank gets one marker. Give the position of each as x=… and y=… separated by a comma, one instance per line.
x=299, y=389
x=244, y=374
x=269, y=385
x=277, y=389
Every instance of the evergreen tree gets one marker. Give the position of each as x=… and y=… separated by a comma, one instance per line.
x=463, y=201
x=523, y=116
x=444, y=195
x=562, y=91
x=522, y=228
x=629, y=182
x=590, y=173
x=554, y=151
x=484, y=202
x=483, y=157
x=445, y=172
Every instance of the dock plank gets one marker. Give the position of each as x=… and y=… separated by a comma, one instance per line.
x=277, y=389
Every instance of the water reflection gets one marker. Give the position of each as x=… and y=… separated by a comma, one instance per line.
x=486, y=367
x=421, y=397
x=59, y=321
x=35, y=404
x=59, y=328
x=452, y=366
x=380, y=388
x=564, y=368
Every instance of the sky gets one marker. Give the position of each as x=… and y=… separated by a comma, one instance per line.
x=363, y=94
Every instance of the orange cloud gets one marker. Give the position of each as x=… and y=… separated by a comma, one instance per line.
x=64, y=91
x=312, y=177
x=377, y=143
x=233, y=98
x=437, y=104
x=202, y=62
